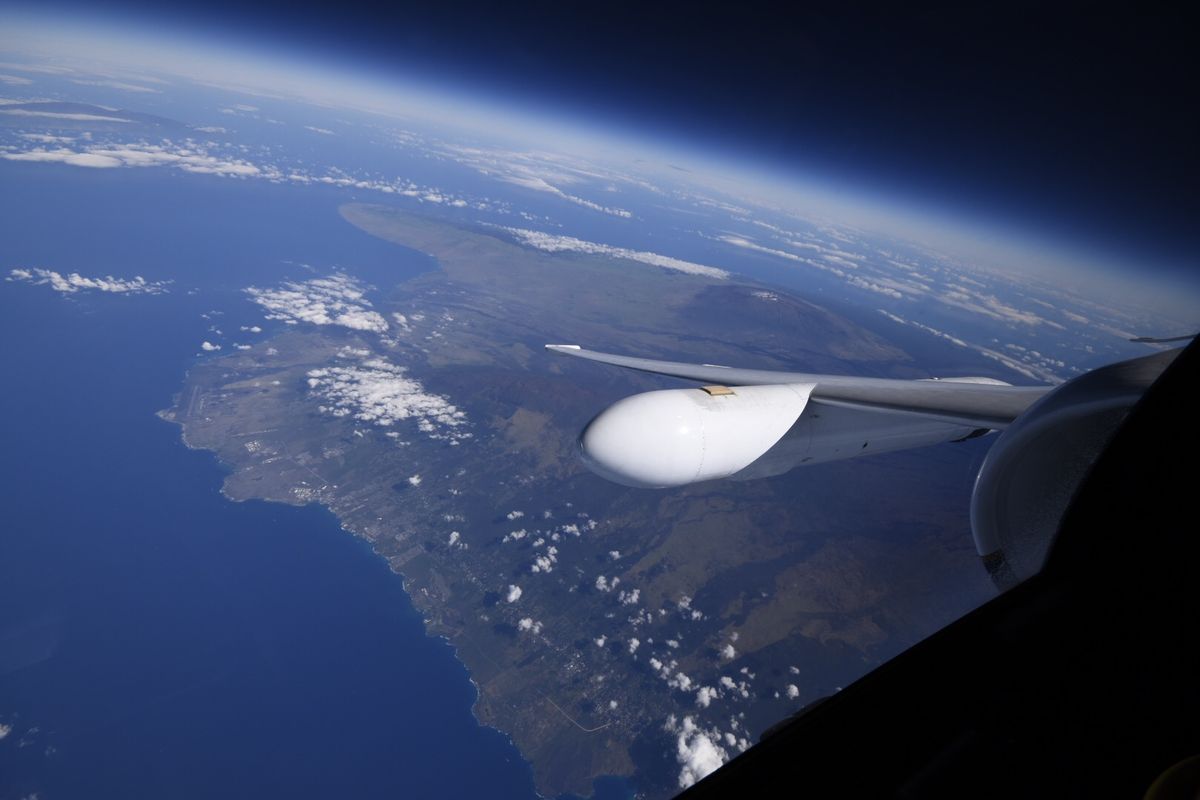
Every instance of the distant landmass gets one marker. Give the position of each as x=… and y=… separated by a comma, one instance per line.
x=592, y=618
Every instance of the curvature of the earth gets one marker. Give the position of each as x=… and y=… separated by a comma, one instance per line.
x=652, y=635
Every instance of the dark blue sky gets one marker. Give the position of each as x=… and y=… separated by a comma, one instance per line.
x=1074, y=120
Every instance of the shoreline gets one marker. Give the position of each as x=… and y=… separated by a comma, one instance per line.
x=167, y=415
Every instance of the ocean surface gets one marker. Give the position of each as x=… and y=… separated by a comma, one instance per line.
x=157, y=640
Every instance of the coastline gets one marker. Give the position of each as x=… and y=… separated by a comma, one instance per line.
x=168, y=415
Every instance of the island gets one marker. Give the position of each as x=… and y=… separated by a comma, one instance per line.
x=609, y=631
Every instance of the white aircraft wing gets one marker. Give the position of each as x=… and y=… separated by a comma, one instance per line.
x=978, y=402
x=752, y=423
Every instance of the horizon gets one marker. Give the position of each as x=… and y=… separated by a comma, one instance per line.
x=1009, y=243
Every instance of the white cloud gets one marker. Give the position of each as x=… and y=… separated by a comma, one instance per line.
x=792, y=691
x=187, y=158
x=681, y=682
x=64, y=156
x=46, y=138
x=209, y=347
x=122, y=85
x=541, y=185
x=728, y=652
x=515, y=515
x=600, y=640
x=698, y=751
x=553, y=244
x=633, y=645
x=414, y=480
x=629, y=598
x=37, y=69
x=336, y=300
x=705, y=695
x=528, y=624
x=14, y=80
x=615, y=555
x=379, y=392
x=604, y=585
x=546, y=172
x=5, y=730
x=322, y=131
x=514, y=593
x=74, y=282
x=27, y=112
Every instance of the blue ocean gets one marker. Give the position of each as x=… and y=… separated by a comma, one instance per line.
x=157, y=640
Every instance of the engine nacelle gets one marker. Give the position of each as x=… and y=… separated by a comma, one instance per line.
x=1032, y=471
x=679, y=436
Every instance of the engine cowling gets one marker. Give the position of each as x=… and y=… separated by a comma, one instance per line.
x=679, y=436
x=1031, y=473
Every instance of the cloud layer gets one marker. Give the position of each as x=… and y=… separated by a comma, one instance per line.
x=74, y=282
x=555, y=244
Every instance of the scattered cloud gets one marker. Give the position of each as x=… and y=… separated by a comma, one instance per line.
x=74, y=282
x=336, y=300
x=514, y=593
x=698, y=751
x=209, y=347
x=381, y=393
x=792, y=691
x=604, y=585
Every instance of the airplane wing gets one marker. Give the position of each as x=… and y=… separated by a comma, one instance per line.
x=757, y=423
x=976, y=402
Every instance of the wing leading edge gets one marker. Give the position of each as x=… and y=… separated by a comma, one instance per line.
x=977, y=404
